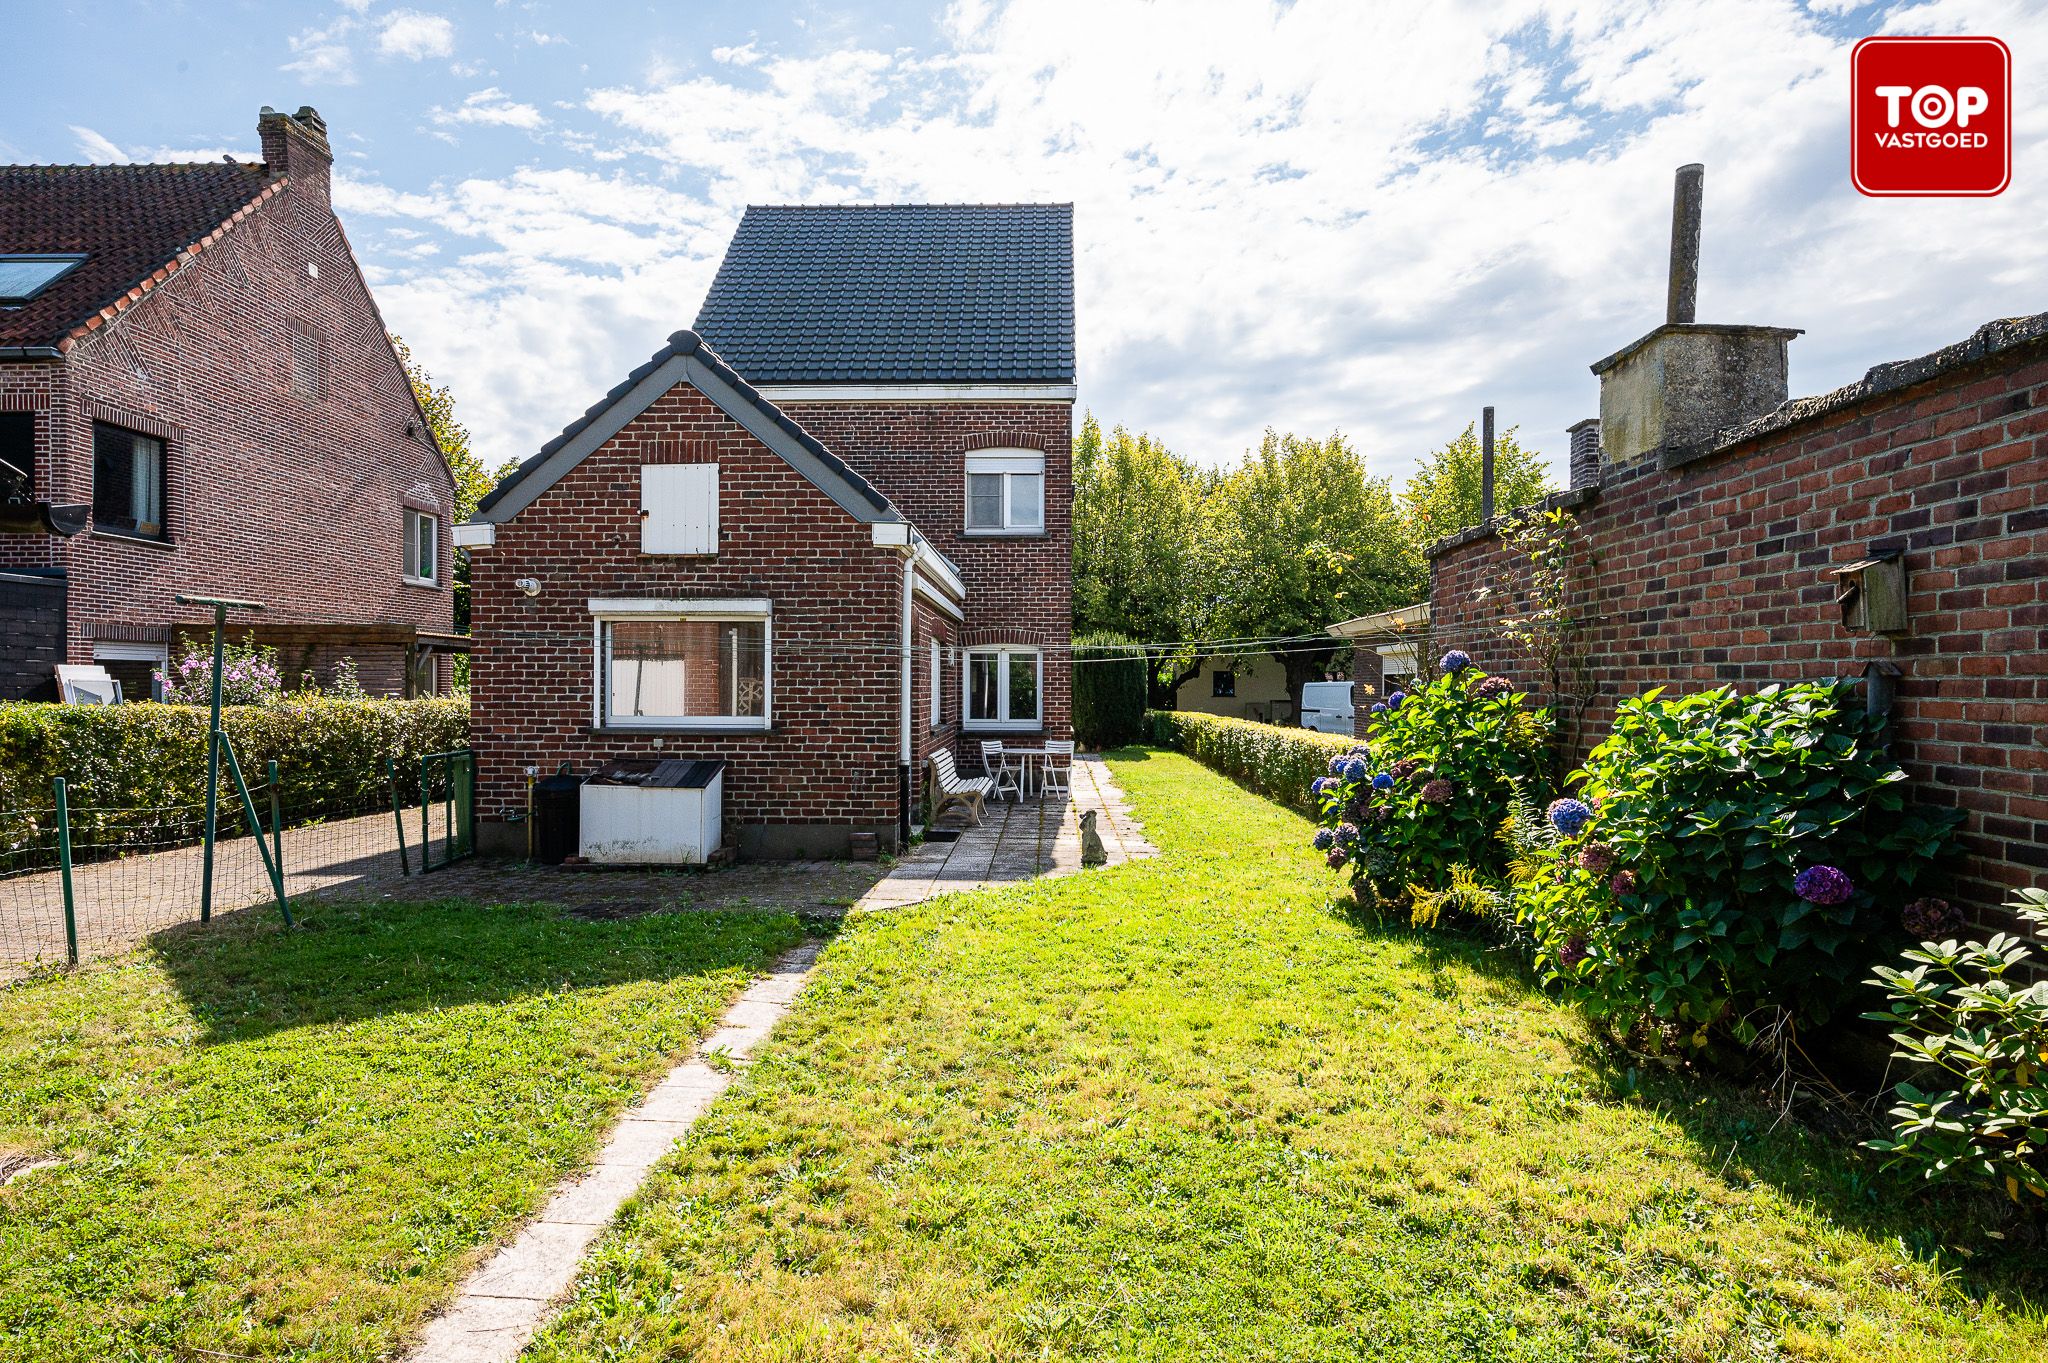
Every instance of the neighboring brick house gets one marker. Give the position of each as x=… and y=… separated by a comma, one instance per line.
x=195, y=382
x=821, y=536
x=1719, y=521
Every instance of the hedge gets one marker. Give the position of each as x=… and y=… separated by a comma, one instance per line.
x=330, y=752
x=1277, y=763
x=1109, y=691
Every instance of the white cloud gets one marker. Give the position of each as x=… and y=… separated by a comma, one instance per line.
x=411, y=34
x=96, y=148
x=540, y=39
x=322, y=55
x=491, y=107
x=1318, y=216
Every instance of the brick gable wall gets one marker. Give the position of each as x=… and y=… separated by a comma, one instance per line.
x=829, y=764
x=1718, y=573
x=293, y=501
x=1019, y=589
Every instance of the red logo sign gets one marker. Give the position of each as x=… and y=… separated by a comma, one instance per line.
x=1930, y=116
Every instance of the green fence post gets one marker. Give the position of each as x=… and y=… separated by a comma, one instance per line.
x=256, y=831
x=426, y=820
x=397, y=815
x=276, y=822
x=64, y=861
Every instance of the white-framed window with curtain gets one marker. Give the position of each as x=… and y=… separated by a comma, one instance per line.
x=1001, y=686
x=683, y=664
x=422, y=551
x=1006, y=492
x=127, y=482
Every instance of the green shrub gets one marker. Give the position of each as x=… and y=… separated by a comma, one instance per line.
x=1109, y=691
x=1427, y=794
x=1957, y=1011
x=1723, y=864
x=1275, y=762
x=330, y=752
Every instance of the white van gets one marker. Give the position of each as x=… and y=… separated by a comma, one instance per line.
x=1326, y=707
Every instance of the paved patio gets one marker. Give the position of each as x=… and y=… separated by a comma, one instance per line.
x=121, y=902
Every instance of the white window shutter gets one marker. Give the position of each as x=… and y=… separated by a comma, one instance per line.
x=679, y=508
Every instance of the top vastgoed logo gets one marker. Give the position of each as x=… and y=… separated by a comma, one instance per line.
x=1930, y=116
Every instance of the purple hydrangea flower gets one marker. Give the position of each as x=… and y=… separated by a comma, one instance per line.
x=1457, y=660
x=1569, y=816
x=1932, y=920
x=1572, y=952
x=1378, y=708
x=1823, y=885
x=1334, y=858
x=1383, y=782
x=1394, y=701
x=1439, y=791
x=1336, y=767
x=1624, y=882
x=1596, y=857
x=1347, y=834
x=1324, y=840
x=1489, y=687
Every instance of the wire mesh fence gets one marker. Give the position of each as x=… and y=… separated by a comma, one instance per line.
x=136, y=870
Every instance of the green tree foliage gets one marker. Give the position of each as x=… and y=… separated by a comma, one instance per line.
x=1137, y=509
x=1298, y=536
x=1442, y=497
x=472, y=481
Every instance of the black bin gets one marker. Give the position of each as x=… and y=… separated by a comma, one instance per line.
x=557, y=809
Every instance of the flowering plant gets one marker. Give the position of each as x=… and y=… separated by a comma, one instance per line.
x=1723, y=858
x=248, y=676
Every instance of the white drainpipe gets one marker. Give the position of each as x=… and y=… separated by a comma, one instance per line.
x=903, y=772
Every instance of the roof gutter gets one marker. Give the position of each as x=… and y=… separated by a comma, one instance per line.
x=30, y=352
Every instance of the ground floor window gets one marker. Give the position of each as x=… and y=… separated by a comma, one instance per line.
x=1223, y=683
x=689, y=670
x=1002, y=687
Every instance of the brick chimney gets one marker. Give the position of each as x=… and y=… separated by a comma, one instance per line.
x=1668, y=393
x=295, y=145
x=1585, y=461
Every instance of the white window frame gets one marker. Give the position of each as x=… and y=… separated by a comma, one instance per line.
x=1009, y=464
x=414, y=521
x=1010, y=723
x=604, y=612
x=938, y=682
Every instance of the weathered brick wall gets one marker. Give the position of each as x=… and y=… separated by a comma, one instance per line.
x=828, y=765
x=1718, y=572
x=293, y=501
x=1019, y=588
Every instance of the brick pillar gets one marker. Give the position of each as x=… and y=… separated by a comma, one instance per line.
x=1585, y=459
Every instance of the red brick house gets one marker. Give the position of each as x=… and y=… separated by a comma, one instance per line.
x=197, y=394
x=820, y=536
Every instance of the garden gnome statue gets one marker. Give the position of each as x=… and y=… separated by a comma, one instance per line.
x=1093, y=853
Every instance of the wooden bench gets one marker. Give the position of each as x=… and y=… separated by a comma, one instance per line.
x=950, y=788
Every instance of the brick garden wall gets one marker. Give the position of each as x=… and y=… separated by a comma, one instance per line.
x=1019, y=588
x=292, y=500
x=1717, y=573
x=829, y=763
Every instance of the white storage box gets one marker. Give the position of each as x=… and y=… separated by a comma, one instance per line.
x=652, y=812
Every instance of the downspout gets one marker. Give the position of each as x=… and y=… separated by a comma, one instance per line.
x=903, y=755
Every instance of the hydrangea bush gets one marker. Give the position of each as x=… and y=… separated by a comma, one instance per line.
x=1428, y=790
x=1727, y=856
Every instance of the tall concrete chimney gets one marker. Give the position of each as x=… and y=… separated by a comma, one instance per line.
x=1669, y=392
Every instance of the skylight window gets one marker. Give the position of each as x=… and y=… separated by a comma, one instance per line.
x=23, y=277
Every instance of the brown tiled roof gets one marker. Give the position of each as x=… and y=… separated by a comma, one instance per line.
x=130, y=222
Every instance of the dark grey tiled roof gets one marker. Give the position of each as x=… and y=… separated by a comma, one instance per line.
x=897, y=293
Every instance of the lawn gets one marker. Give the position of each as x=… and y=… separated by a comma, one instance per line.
x=1182, y=1109
x=291, y=1144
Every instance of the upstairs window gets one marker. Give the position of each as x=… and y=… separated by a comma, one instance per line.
x=309, y=377
x=1006, y=492
x=1002, y=688
x=422, y=548
x=127, y=482
x=22, y=277
x=17, y=455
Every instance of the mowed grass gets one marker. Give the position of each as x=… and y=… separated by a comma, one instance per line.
x=1181, y=1110
x=290, y=1144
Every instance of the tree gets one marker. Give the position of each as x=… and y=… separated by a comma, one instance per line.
x=1442, y=497
x=471, y=480
x=1136, y=517
x=1300, y=536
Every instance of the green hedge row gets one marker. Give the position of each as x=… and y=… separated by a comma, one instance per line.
x=1277, y=763
x=330, y=752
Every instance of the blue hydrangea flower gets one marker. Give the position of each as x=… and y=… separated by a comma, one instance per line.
x=1457, y=660
x=1336, y=767
x=1394, y=701
x=1383, y=782
x=1353, y=769
x=1324, y=840
x=1359, y=750
x=1320, y=785
x=1347, y=834
x=1823, y=885
x=1378, y=708
x=1570, y=816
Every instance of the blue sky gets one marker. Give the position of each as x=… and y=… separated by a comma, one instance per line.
x=1318, y=215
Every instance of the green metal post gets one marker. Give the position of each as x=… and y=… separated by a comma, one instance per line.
x=276, y=822
x=64, y=861
x=397, y=815
x=220, y=620
x=256, y=831
x=426, y=822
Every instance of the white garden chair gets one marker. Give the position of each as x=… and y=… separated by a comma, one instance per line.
x=1054, y=771
x=1003, y=773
